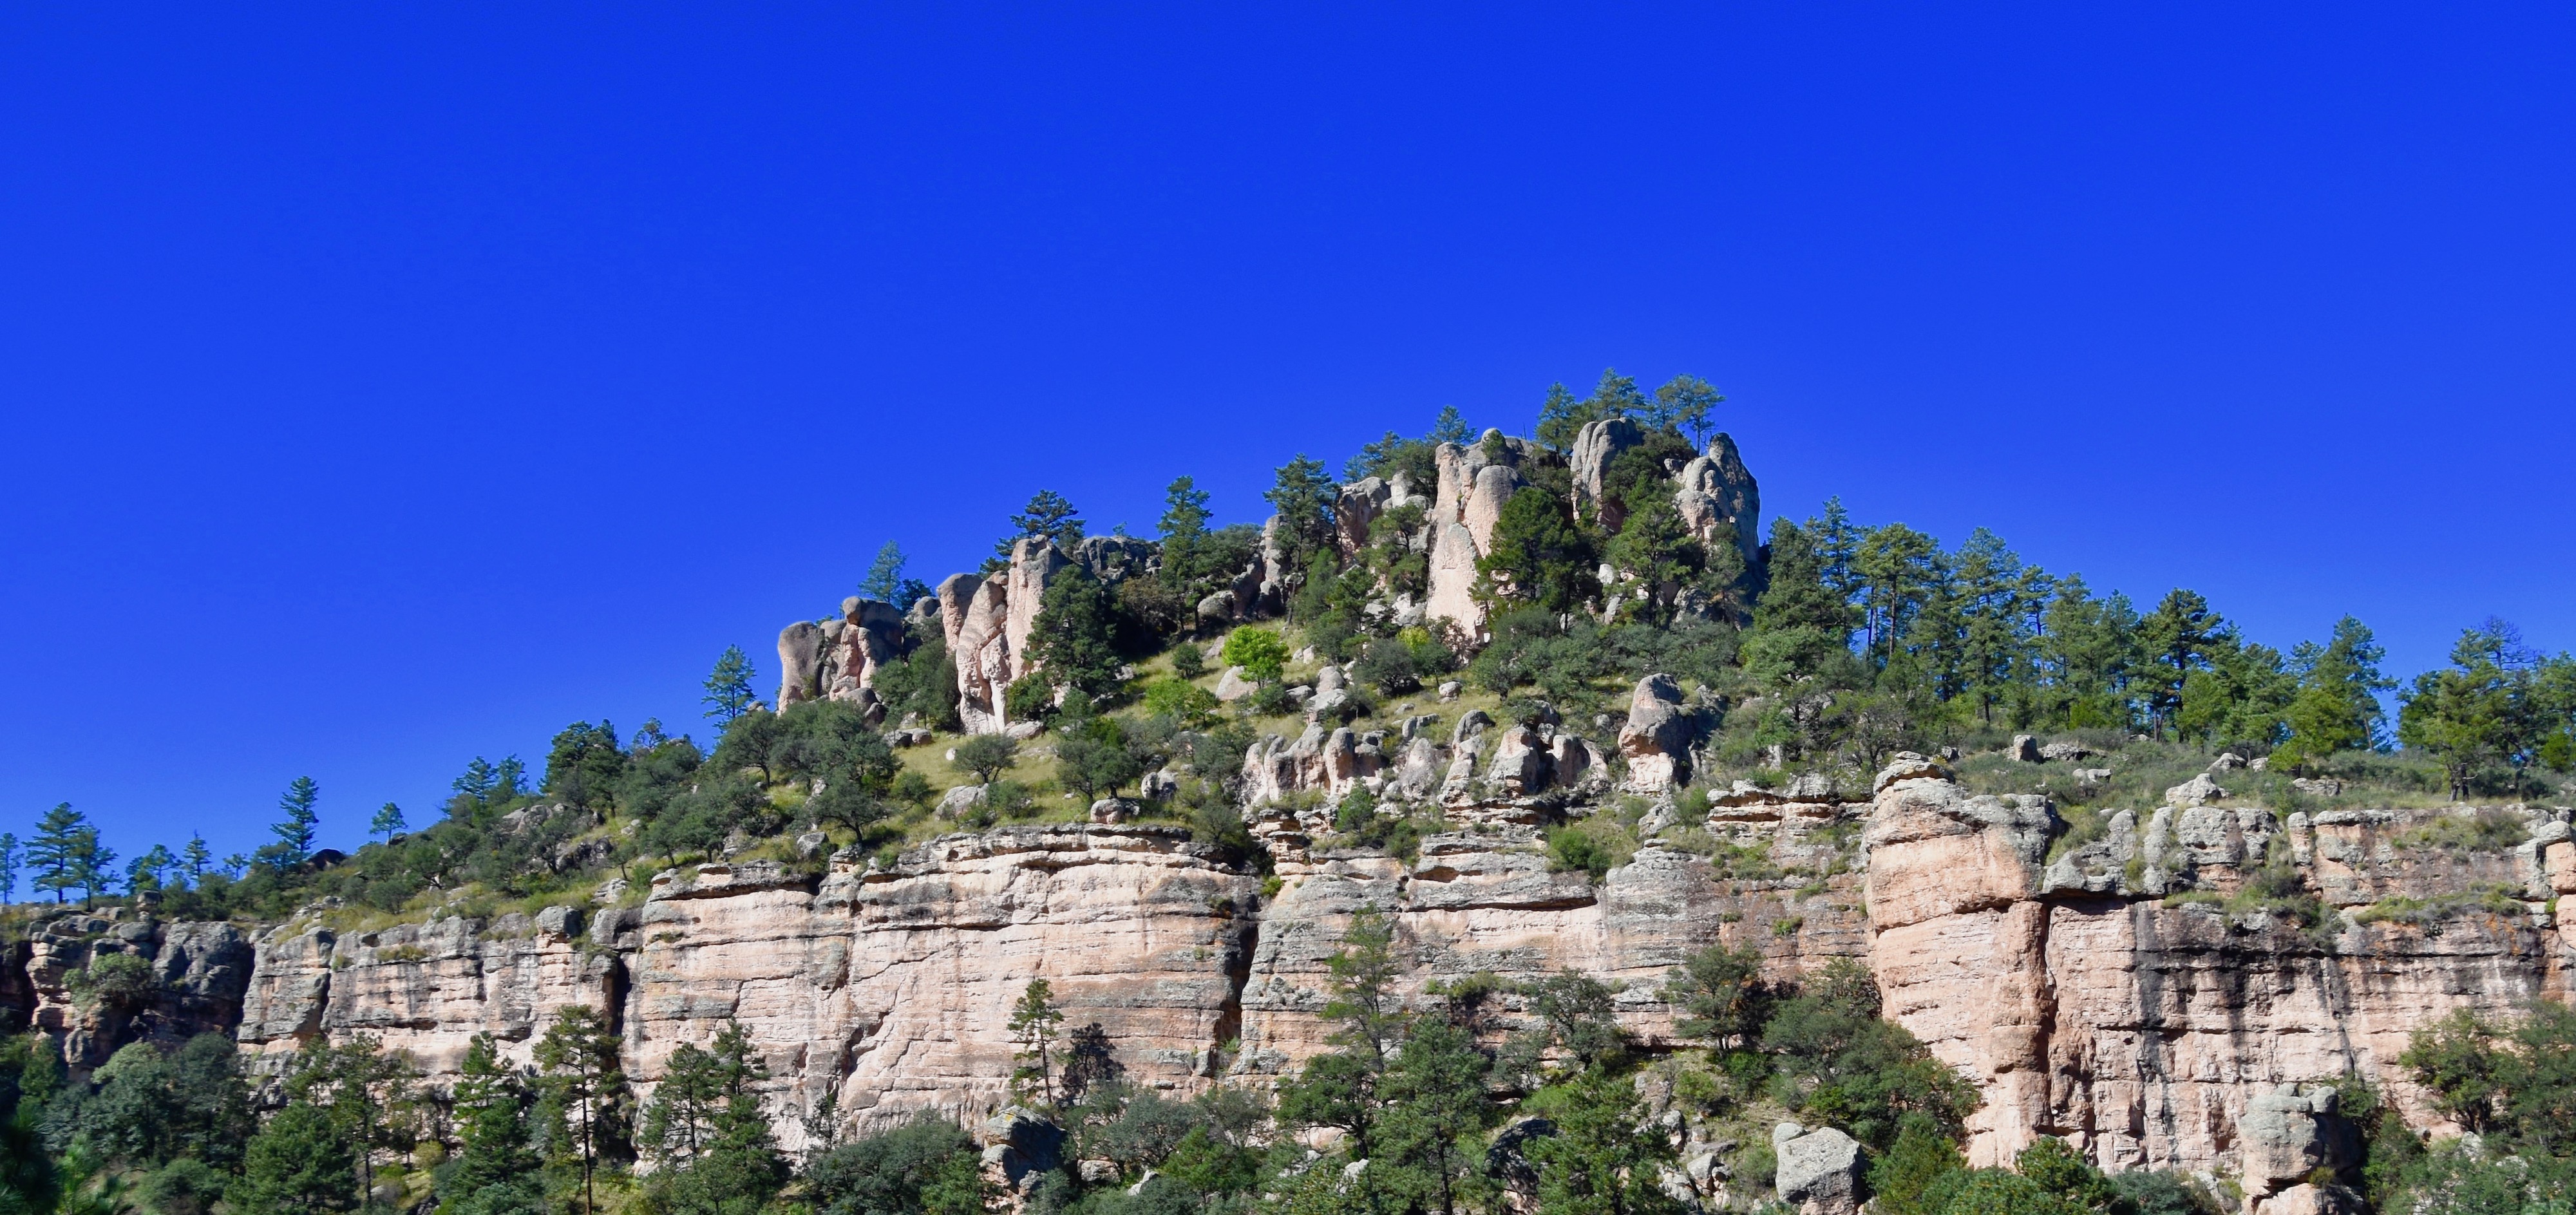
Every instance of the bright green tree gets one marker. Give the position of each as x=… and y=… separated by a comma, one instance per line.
x=295, y=831
x=54, y=853
x=1261, y=653
x=729, y=693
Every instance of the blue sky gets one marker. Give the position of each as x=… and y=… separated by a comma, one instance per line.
x=387, y=385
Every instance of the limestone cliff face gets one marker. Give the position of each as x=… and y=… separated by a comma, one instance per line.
x=887, y=986
x=2104, y=993
x=2146, y=1029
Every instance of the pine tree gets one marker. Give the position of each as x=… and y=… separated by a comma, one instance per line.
x=92, y=866
x=2337, y=704
x=579, y=1058
x=298, y=1164
x=1074, y=640
x=365, y=1089
x=1538, y=555
x=729, y=693
x=1684, y=404
x=885, y=575
x=150, y=871
x=55, y=852
x=1303, y=495
x=1047, y=515
x=196, y=857
x=295, y=831
x=2177, y=640
x=388, y=822
x=1033, y=1027
x=494, y=1171
x=9, y=858
x=1183, y=529
x=1449, y=427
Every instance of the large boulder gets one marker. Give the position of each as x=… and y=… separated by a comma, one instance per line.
x=1819, y=1170
x=1658, y=735
x=1495, y=485
x=2288, y=1134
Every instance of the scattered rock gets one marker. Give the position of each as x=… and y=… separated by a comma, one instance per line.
x=1658, y=735
x=1160, y=785
x=2065, y=752
x=2227, y=761
x=2318, y=786
x=2199, y=790
x=2024, y=749
x=1024, y=730
x=1449, y=689
x=1113, y=810
x=959, y=800
x=1234, y=685
x=811, y=844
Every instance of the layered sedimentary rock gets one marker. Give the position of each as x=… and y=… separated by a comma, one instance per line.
x=2106, y=993
x=888, y=986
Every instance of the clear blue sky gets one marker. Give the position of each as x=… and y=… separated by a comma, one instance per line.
x=391, y=384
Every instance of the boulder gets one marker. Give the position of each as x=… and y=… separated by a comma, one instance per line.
x=1217, y=608
x=2024, y=749
x=1160, y=785
x=1453, y=578
x=1450, y=689
x=2196, y=791
x=1358, y=506
x=1024, y=730
x=2287, y=1134
x=1658, y=735
x=959, y=800
x=1819, y=1170
x=1113, y=810
x=1234, y=685
x=2062, y=752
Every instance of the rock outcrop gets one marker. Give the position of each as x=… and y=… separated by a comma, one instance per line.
x=2108, y=993
x=1720, y=501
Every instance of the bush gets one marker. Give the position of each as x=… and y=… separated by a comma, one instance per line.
x=1188, y=661
x=1260, y=652
x=1387, y=666
x=929, y=1166
x=986, y=756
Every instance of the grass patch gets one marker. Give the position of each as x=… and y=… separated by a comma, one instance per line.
x=2431, y=912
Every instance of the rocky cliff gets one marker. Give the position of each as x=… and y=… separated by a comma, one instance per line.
x=2156, y=994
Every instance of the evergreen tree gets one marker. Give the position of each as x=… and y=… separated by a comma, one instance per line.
x=2475, y=713
x=2336, y=707
x=1604, y=1159
x=1048, y=515
x=56, y=850
x=578, y=1060
x=1074, y=639
x=298, y=1164
x=9, y=858
x=295, y=831
x=93, y=866
x=366, y=1091
x=196, y=857
x=1684, y=404
x=1449, y=427
x=1033, y=1024
x=737, y=1169
x=1183, y=530
x=494, y=1171
x=388, y=822
x=729, y=693
x=885, y=580
x=1538, y=555
x=680, y=1119
x=1430, y=1135
x=2176, y=640
x=1303, y=495
x=150, y=871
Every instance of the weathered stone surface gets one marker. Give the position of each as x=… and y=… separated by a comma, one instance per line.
x=1594, y=448
x=1719, y=500
x=1453, y=579
x=1658, y=735
x=1819, y=1170
x=1495, y=485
